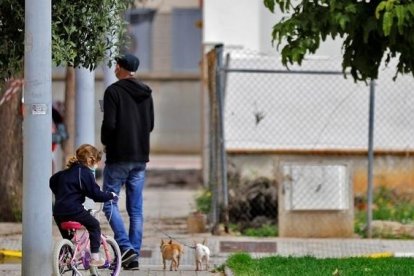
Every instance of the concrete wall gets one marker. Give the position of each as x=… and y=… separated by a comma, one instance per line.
x=392, y=171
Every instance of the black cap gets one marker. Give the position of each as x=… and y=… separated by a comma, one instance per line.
x=128, y=62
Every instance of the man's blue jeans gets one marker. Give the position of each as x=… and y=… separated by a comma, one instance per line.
x=132, y=174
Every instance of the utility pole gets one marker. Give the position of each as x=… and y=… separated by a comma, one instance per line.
x=37, y=142
x=85, y=105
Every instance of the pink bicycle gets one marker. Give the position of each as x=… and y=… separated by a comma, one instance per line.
x=70, y=257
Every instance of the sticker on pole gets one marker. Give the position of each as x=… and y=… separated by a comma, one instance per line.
x=39, y=109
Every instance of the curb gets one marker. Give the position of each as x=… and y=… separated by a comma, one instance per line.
x=227, y=271
x=390, y=254
x=10, y=253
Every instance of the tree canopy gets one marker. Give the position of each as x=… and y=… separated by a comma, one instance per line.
x=81, y=32
x=373, y=31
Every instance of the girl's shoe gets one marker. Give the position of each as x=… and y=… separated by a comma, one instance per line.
x=97, y=263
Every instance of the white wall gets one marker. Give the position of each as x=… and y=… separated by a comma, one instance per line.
x=248, y=24
x=234, y=23
x=165, y=6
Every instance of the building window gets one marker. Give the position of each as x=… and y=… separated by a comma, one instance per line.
x=140, y=30
x=186, y=40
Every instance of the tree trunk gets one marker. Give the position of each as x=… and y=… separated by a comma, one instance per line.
x=68, y=145
x=11, y=164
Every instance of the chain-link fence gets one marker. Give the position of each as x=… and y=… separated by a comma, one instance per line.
x=296, y=147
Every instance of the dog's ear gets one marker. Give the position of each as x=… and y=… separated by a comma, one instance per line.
x=204, y=241
x=170, y=242
x=162, y=241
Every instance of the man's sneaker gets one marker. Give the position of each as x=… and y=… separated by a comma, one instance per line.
x=128, y=255
x=134, y=265
x=97, y=263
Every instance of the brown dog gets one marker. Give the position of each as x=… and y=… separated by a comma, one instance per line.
x=171, y=251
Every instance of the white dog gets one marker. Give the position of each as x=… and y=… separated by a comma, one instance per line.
x=202, y=254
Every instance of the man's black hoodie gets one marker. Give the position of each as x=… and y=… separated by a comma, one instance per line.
x=128, y=121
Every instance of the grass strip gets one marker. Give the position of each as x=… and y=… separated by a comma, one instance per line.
x=242, y=264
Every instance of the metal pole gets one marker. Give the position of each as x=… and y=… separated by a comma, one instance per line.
x=212, y=164
x=109, y=75
x=219, y=172
x=37, y=142
x=85, y=112
x=370, y=156
x=214, y=145
x=85, y=107
x=223, y=155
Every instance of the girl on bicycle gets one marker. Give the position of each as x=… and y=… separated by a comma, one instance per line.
x=71, y=186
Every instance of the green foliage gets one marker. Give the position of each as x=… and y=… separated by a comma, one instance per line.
x=84, y=30
x=218, y=269
x=372, y=31
x=388, y=205
x=81, y=32
x=242, y=264
x=266, y=230
x=203, y=201
x=392, y=206
x=16, y=213
x=11, y=37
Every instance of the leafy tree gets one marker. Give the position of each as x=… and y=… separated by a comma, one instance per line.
x=82, y=31
x=373, y=30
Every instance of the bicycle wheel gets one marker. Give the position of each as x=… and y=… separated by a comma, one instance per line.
x=114, y=267
x=62, y=256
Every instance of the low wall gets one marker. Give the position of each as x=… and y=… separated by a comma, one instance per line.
x=392, y=170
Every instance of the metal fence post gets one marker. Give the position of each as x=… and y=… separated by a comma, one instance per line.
x=222, y=148
x=213, y=114
x=370, y=155
x=218, y=49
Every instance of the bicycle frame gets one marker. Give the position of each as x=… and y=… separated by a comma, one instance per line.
x=82, y=255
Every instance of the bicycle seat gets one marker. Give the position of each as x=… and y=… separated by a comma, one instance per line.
x=69, y=225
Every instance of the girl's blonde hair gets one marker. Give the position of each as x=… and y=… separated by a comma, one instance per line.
x=86, y=154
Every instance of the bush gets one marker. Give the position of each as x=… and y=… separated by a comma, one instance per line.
x=388, y=205
x=203, y=201
x=267, y=230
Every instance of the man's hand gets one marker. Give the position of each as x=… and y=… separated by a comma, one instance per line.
x=115, y=197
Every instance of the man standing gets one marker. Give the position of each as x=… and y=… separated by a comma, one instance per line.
x=127, y=122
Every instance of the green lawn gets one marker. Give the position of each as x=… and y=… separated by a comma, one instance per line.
x=243, y=265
